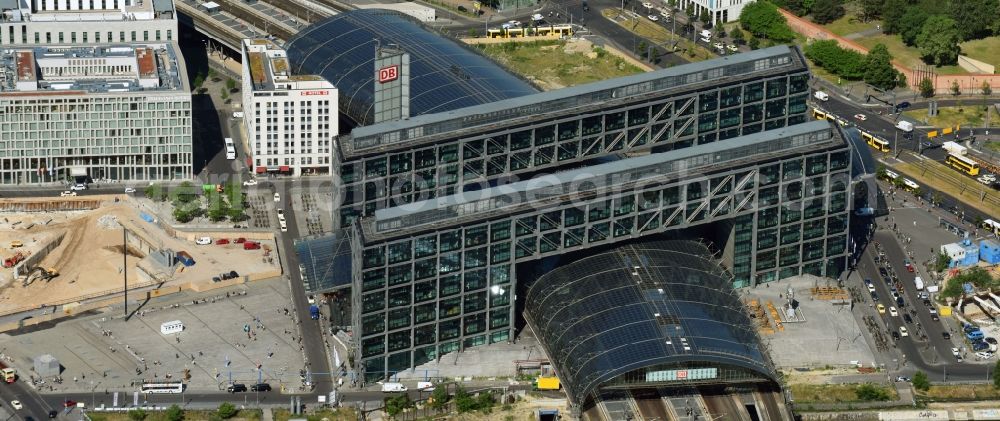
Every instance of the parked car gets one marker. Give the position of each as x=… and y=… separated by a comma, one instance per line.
x=861, y=117
x=732, y=48
x=53, y=414
x=236, y=387
x=954, y=351
x=130, y=190
x=67, y=193
x=260, y=387
x=895, y=335
x=903, y=332
x=16, y=405
x=892, y=311
x=251, y=245
x=985, y=355
x=277, y=197
x=946, y=335
x=250, y=182
x=222, y=241
x=201, y=241
x=907, y=318
x=880, y=308
x=69, y=403
x=240, y=240
x=653, y=18
x=902, y=379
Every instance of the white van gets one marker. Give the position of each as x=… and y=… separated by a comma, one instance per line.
x=822, y=96
x=393, y=387
x=905, y=126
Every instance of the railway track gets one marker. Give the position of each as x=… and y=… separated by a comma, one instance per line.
x=299, y=11
x=254, y=19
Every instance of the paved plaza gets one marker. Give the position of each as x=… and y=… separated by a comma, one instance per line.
x=239, y=334
x=829, y=334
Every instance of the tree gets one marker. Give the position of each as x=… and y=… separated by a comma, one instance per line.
x=996, y=377
x=175, y=413
x=737, y=35
x=955, y=89
x=226, y=410
x=762, y=19
x=977, y=17
x=870, y=9
x=689, y=10
x=224, y=93
x=156, y=192
x=826, y=11
x=848, y=64
x=397, y=404
x=137, y=414
x=892, y=14
x=705, y=18
x=871, y=392
x=920, y=381
x=439, y=397
x=463, y=401
x=218, y=211
x=941, y=262
x=230, y=84
x=185, y=192
x=938, y=41
x=199, y=80
x=878, y=68
x=926, y=87
x=986, y=89
x=754, y=43
x=910, y=23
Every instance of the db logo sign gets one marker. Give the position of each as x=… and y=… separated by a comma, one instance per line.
x=388, y=74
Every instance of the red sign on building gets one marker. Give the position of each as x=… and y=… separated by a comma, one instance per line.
x=388, y=74
x=315, y=92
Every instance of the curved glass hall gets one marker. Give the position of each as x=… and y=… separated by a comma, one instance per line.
x=642, y=313
x=444, y=75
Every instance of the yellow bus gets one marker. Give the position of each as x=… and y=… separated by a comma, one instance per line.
x=963, y=164
x=819, y=114
x=875, y=142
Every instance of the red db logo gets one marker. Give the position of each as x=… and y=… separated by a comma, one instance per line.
x=388, y=74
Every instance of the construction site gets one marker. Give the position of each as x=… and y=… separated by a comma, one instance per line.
x=62, y=255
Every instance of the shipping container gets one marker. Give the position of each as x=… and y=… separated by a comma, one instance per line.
x=185, y=258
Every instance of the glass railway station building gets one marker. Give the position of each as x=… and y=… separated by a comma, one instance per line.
x=437, y=210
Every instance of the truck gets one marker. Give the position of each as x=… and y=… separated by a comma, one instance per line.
x=547, y=383
x=9, y=374
x=954, y=148
x=919, y=283
x=314, y=312
x=393, y=387
x=905, y=126
x=822, y=96
x=185, y=258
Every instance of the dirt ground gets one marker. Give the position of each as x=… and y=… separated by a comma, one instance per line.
x=89, y=258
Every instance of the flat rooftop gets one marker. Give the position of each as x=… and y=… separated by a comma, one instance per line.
x=586, y=182
x=100, y=69
x=268, y=63
x=72, y=11
x=403, y=134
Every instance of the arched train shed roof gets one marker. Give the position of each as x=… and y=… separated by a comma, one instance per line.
x=444, y=74
x=600, y=318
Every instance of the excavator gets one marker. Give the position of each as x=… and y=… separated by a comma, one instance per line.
x=39, y=272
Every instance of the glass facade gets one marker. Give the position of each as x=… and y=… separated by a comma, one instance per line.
x=669, y=119
x=635, y=310
x=446, y=270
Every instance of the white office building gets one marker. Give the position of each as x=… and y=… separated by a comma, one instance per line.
x=291, y=120
x=86, y=22
x=74, y=114
x=720, y=10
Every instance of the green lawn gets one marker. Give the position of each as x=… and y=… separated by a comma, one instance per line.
x=993, y=146
x=831, y=393
x=972, y=115
x=554, y=64
x=986, y=49
x=849, y=24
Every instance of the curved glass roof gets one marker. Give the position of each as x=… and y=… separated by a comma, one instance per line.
x=600, y=318
x=444, y=74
